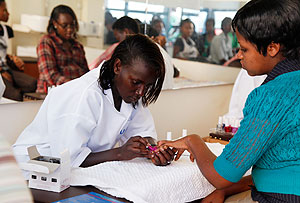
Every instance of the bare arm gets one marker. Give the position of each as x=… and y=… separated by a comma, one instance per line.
x=134, y=147
x=220, y=195
x=176, y=51
x=204, y=158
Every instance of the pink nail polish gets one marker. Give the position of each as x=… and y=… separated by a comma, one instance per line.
x=151, y=148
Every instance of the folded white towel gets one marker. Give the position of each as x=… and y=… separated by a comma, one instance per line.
x=139, y=180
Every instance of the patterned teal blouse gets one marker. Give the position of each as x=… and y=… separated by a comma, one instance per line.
x=268, y=138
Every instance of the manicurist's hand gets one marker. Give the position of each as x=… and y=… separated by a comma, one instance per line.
x=134, y=147
x=162, y=156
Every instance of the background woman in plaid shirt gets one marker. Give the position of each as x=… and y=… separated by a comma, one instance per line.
x=61, y=57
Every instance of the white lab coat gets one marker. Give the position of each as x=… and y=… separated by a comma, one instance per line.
x=244, y=84
x=169, y=69
x=78, y=116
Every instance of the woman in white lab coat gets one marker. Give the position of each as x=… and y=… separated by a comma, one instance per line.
x=91, y=114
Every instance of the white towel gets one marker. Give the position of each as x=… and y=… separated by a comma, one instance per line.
x=139, y=180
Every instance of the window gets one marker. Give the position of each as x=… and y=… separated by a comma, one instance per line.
x=117, y=14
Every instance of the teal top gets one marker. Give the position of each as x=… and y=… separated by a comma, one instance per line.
x=268, y=138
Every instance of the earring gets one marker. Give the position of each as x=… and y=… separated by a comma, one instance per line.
x=55, y=27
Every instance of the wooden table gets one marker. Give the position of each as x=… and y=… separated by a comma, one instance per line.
x=213, y=140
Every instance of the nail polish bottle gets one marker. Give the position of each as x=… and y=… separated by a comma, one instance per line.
x=235, y=127
x=228, y=127
x=220, y=125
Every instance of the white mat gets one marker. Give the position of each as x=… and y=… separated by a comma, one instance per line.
x=139, y=180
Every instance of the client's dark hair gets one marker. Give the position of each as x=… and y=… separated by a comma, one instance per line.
x=262, y=22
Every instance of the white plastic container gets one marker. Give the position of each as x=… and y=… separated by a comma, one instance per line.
x=35, y=22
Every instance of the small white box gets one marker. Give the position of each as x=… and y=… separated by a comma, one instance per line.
x=35, y=22
x=48, y=173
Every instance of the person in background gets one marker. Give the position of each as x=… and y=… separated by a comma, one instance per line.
x=184, y=47
x=123, y=27
x=12, y=185
x=91, y=114
x=158, y=25
x=268, y=139
x=61, y=57
x=11, y=67
x=109, y=37
x=221, y=45
x=235, y=43
x=152, y=33
x=161, y=41
x=206, y=38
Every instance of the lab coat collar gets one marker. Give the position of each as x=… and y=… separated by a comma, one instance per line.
x=126, y=109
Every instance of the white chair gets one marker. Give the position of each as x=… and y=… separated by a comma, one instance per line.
x=14, y=117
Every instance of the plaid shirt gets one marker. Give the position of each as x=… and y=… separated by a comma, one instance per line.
x=58, y=65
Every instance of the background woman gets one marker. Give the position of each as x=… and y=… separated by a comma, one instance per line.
x=61, y=57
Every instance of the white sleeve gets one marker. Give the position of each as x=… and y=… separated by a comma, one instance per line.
x=74, y=129
x=2, y=87
x=142, y=124
x=72, y=132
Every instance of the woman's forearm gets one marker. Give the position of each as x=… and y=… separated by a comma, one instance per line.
x=205, y=159
x=100, y=157
x=241, y=186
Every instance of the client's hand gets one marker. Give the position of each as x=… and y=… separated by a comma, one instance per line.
x=180, y=145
